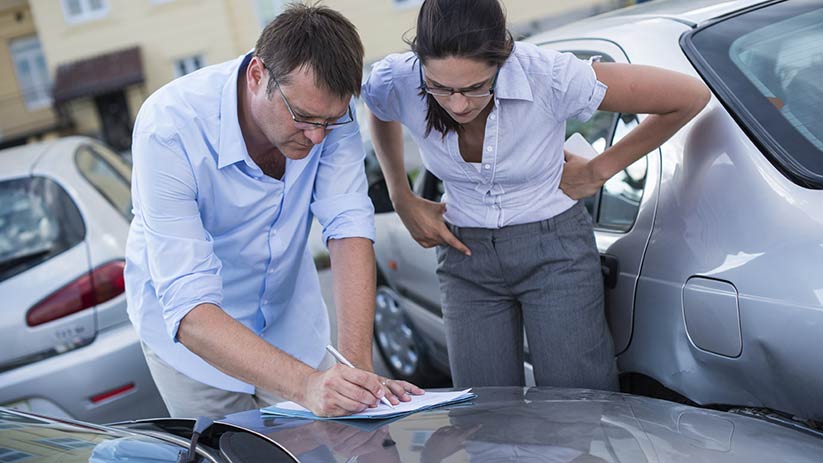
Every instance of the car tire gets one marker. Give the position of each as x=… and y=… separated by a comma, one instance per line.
x=400, y=345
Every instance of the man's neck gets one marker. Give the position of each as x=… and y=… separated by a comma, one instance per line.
x=270, y=160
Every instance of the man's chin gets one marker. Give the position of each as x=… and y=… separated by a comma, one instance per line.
x=296, y=151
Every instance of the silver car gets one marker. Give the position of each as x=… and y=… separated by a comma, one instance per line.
x=502, y=424
x=66, y=345
x=712, y=246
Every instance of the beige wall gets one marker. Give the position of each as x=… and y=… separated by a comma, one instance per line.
x=164, y=32
x=381, y=24
x=15, y=119
x=217, y=30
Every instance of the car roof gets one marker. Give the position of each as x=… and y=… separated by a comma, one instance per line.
x=691, y=13
x=20, y=161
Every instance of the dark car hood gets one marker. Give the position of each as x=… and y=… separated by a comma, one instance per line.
x=545, y=424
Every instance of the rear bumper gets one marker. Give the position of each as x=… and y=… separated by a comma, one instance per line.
x=66, y=383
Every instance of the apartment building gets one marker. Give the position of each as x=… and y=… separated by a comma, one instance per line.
x=26, y=110
x=86, y=66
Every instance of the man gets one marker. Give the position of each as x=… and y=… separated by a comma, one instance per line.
x=230, y=165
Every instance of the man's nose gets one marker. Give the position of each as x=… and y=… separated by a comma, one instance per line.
x=315, y=134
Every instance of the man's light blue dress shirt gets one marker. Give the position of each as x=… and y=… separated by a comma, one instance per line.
x=537, y=90
x=209, y=226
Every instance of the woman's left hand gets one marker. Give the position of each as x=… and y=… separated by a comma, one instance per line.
x=579, y=178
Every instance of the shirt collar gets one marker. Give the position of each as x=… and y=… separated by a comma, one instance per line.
x=512, y=82
x=231, y=146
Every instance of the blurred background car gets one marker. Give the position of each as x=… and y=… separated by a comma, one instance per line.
x=711, y=246
x=67, y=348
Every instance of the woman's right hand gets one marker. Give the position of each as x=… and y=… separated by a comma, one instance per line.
x=424, y=220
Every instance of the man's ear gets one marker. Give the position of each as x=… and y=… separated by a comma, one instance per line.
x=255, y=74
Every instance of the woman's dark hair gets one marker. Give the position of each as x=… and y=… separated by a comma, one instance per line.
x=318, y=37
x=473, y=29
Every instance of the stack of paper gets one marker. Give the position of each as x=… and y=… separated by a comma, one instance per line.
x=417, y=403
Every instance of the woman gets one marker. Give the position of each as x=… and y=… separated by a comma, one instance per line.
x=514, y=246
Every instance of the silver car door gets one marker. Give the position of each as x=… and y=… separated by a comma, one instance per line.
x=623, y=210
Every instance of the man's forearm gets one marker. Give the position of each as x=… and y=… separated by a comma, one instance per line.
x=235, y=350
x=353, y=273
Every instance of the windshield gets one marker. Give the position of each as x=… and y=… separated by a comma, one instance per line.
x=765, y=65
x=26, y=438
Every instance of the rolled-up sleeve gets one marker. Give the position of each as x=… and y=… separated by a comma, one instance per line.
x=575, y=91
x=340, y=200
x=181, y=262
x=378, y=91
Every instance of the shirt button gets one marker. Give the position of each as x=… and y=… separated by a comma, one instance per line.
x=492, y=117
x=487, y=166
x=265, y=301
x=271, y=270
x=489, y=149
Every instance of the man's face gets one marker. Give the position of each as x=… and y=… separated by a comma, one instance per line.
x=271, y=115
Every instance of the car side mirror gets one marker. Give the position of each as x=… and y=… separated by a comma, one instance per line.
x=379, y=194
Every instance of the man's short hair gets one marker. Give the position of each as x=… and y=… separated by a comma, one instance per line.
x=317, y=37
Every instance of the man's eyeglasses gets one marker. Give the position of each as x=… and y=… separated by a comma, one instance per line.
x=303, y=124
x=467, y=92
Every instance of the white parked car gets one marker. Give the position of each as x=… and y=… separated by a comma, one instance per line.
x=67, y=347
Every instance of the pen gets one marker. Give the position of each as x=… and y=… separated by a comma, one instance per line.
x=339, y=357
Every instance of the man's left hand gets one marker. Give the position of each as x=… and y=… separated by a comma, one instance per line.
x=399, y=391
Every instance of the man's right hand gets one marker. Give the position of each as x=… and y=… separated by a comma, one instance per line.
x=342, y=390
x=424, y=220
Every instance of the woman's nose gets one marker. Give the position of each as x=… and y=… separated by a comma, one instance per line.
x=459, y=103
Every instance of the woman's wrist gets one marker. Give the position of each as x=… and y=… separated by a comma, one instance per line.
x=400, y=195
x=600, y=168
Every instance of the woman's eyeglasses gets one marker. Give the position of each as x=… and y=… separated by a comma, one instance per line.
x=467, y=92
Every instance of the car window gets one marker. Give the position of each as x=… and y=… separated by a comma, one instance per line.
x=431, y=187
x=766, y=66
x=620, y=196
x=38, y=221
x=109, y=175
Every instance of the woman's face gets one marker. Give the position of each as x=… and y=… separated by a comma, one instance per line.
x=462, y=74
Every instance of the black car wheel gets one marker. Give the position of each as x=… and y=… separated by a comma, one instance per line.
x=399, y=345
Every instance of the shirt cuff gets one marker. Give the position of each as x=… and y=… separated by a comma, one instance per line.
x=197, y=293
x=598, y=93
x=346, y=216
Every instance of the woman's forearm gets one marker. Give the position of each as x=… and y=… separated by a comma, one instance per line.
x=387, y=138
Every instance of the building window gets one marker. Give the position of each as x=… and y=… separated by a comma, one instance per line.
x=84, y=10
x=188, y=64
x=406, y=3
x=268, y=10
x=32, y=74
